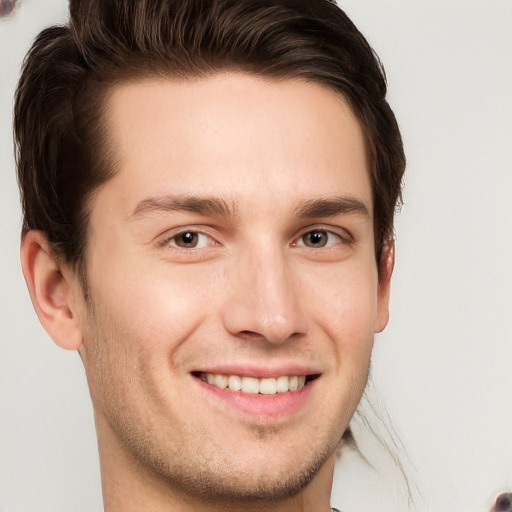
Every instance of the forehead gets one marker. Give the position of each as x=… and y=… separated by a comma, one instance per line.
x=235, y=136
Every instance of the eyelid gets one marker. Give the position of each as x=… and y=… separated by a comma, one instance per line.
x=344, y=235
x=165, y=239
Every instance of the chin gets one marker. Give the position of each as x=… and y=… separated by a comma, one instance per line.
x=260, y=472
x=270, y=482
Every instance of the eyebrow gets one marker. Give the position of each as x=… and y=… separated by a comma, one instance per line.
x=200, y=205
x=330, y=207
x=213, y=206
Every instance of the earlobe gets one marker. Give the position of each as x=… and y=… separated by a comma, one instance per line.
x=386, y=266
x=51, y=291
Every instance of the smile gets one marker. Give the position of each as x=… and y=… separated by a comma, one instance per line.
x=256, y=393
x=253, y=385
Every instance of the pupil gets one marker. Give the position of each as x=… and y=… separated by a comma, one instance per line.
x=188, y=239
x=317, y=238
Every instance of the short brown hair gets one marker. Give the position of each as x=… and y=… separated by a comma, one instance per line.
x=62, y=149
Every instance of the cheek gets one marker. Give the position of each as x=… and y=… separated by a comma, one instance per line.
x=347, y=310
x=159, y=305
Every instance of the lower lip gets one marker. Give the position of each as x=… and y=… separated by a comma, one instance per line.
x=263, y=406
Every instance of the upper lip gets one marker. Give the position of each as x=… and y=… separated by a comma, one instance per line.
x=259, y=370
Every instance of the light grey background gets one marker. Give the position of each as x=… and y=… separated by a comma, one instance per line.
x=443, y=366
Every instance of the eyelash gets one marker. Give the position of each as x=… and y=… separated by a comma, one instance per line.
x=168, y=241
x=345, y=240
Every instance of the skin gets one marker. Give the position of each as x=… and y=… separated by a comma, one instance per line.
x=254, y=290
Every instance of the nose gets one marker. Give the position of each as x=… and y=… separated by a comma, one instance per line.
x=264, y=299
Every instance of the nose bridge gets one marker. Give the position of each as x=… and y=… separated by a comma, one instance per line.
x=263, y=301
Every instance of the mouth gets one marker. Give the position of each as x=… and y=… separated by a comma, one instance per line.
x=259, y=392
x=249, y=385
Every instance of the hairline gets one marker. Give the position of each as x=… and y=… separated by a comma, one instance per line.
x=111, y=82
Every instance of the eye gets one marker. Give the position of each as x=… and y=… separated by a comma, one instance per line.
x=190, y=240
x=319, y=239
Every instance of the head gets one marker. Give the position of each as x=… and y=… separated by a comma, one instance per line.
x=63, y=150
x=194, y=129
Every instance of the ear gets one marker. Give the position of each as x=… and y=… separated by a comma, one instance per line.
x=386, y=265
x=51, y=290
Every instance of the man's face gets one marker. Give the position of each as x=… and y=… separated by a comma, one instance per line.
x=234, y=247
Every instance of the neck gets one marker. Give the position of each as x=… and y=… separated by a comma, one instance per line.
x=130, y=486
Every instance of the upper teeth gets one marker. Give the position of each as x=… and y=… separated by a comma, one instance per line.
x=252, y=385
